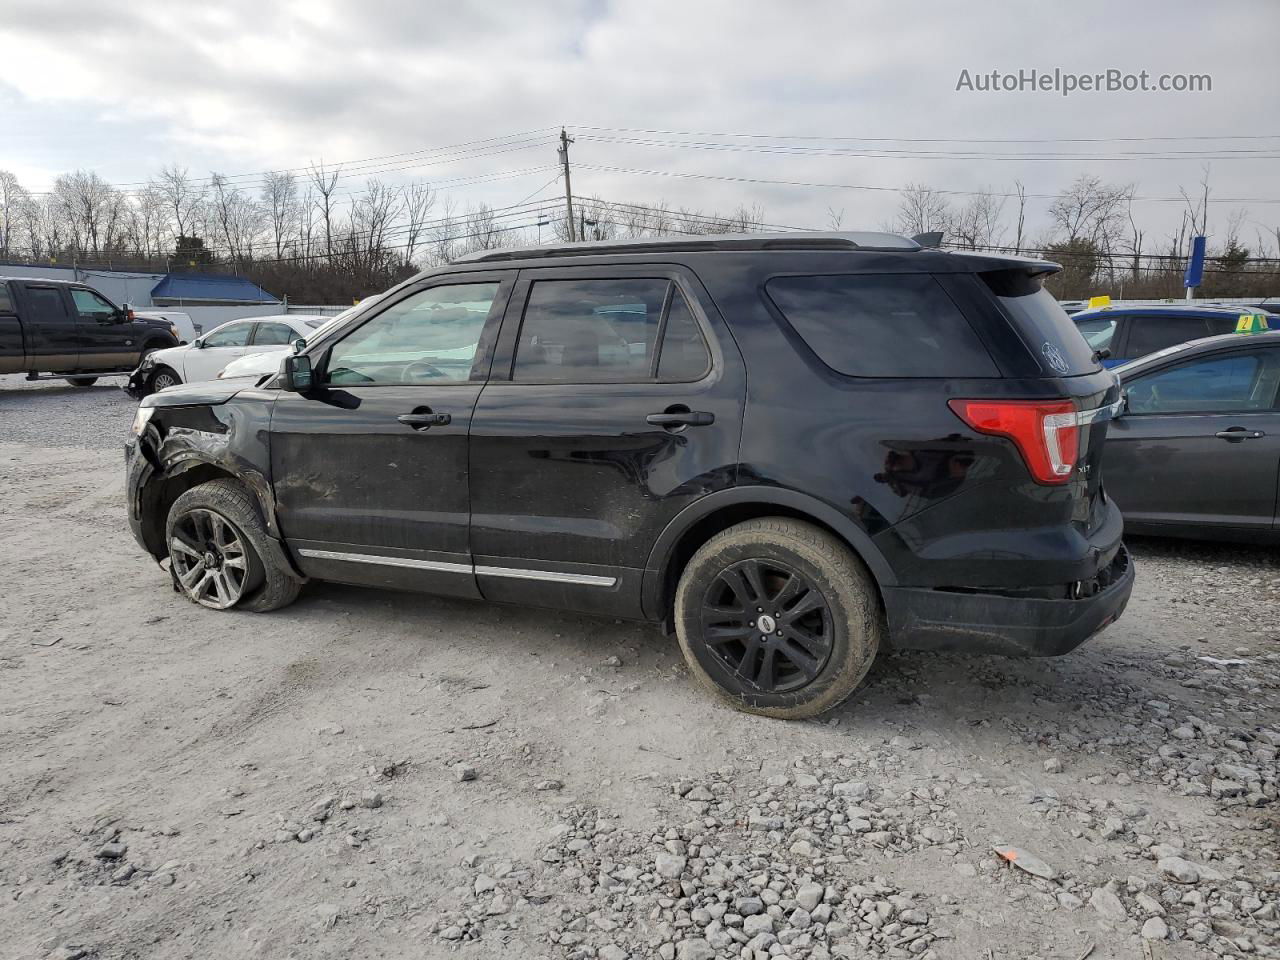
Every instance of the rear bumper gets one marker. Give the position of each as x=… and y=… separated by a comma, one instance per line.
x=976, y=622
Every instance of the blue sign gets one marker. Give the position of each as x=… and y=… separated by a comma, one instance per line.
x=1195, y=268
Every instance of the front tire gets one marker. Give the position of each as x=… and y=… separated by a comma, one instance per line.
x=164, y=377
x=82, y=381
x=777, y=617
x=218, y=551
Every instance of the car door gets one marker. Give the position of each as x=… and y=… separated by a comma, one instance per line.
x=49, y=326
x=1199, y=443
x=370, y=468
x=13, y=355
x=615, y=401
x=207, y=357
x=106, y=343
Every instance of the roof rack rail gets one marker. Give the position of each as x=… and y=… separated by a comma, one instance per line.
x=800, y=240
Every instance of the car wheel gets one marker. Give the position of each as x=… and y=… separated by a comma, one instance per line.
x=218, y=551
x=778, y=617
x=164, y=377
x=82, y=381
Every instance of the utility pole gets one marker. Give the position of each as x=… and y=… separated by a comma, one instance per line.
x=565, y=140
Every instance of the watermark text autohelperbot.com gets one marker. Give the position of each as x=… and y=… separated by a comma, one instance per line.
x=1065, y=83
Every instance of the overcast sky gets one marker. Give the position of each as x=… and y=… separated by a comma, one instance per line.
x=239, y=87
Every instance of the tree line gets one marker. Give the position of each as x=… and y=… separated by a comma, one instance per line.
x=306, y=235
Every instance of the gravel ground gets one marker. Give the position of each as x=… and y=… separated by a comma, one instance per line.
x=372, y=774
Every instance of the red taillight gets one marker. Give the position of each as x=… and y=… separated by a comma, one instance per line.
x=1047, y=434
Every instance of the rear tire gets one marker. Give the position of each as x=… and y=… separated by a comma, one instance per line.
x=82, y=381
x=164, y=377
x=777, y=617
x=259, y=585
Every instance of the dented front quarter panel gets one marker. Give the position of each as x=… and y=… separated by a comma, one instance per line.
x=198, y=428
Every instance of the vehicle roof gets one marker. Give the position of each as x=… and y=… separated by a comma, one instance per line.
x=61, y=283
x=1193, y=348
x=278, y=317
x=903, y=250
x=1172, y=309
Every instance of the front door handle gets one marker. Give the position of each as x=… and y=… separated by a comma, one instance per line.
x=677, y=417
x=1236, y=434
x=424, y=419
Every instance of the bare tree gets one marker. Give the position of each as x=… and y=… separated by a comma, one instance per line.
x=1021, y=191
x=1135, y=239
x=92, y=209
x=372, y=213
x=419, y=198
x=325, y=182
x=481, y=230
x=280, y=195
x=238, y=218
x=183, y=197
x=922, y=210
x=1090, y=210
x=979, y=224
x=834, y=218
x=11, y=198
x=445, y=244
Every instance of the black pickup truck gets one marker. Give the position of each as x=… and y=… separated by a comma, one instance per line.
x=53, y=329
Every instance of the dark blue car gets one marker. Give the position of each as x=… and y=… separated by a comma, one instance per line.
x=1133, y=332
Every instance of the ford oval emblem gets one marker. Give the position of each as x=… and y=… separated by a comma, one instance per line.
x=1053, y=356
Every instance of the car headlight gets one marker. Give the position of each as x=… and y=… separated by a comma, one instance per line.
x=141, y=419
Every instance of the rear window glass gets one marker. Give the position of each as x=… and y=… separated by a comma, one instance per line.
x=862, y=325
x=1058, y=346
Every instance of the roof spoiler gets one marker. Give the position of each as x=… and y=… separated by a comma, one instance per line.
x=931, y=239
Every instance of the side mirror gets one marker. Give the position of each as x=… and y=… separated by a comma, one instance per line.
x=296, y=373
x=299, y=345
x=198, y=343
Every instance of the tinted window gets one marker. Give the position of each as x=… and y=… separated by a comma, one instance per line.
x=882, y=326
x=1235, y=383
x=274, y=334
x=1098, y=331
x=684, y=355
x=232, y=335
x=590, y=331
x=1151, y=333
x=89, y=304
x=1042, y=322
x=431, y=336
x=6, y=300
x=46, y=305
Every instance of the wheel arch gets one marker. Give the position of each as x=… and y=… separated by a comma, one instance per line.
x=700, y=521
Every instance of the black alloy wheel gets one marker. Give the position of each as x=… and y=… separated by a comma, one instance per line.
x=768, y=624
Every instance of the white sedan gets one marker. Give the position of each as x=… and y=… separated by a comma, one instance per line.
x=204, y=357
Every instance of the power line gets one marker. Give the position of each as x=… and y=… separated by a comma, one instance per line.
x=783, y=136
x=855, y=186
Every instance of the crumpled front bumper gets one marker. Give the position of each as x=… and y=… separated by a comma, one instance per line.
x=139, y=383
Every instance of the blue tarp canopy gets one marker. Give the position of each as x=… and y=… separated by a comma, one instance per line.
x=210, y=286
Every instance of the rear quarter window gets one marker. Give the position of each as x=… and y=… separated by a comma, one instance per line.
x=1059, y=347
x=6, y=299
x=900, y=325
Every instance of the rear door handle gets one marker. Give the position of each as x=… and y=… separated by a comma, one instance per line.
x=1236, y=434
x=687, y=418
x=424, y=419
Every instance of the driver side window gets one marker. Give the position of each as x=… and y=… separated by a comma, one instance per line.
x=431, y=336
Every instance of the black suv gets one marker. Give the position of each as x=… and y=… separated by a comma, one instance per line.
x=794, y=450
x=70, y=331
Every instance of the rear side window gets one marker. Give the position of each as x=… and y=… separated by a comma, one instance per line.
x=902, y=325
x=47, y=305
x=632, y=330
x=1044, y=325
x=1151, y=333
x=274, y=334
x=6, y=299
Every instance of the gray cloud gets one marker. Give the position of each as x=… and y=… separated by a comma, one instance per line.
x=240, y=86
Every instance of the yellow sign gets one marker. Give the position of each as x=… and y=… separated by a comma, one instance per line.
x=1251, y=323
x=1102, y=301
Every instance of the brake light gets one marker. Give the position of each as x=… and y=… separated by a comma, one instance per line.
x=1046, y=433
